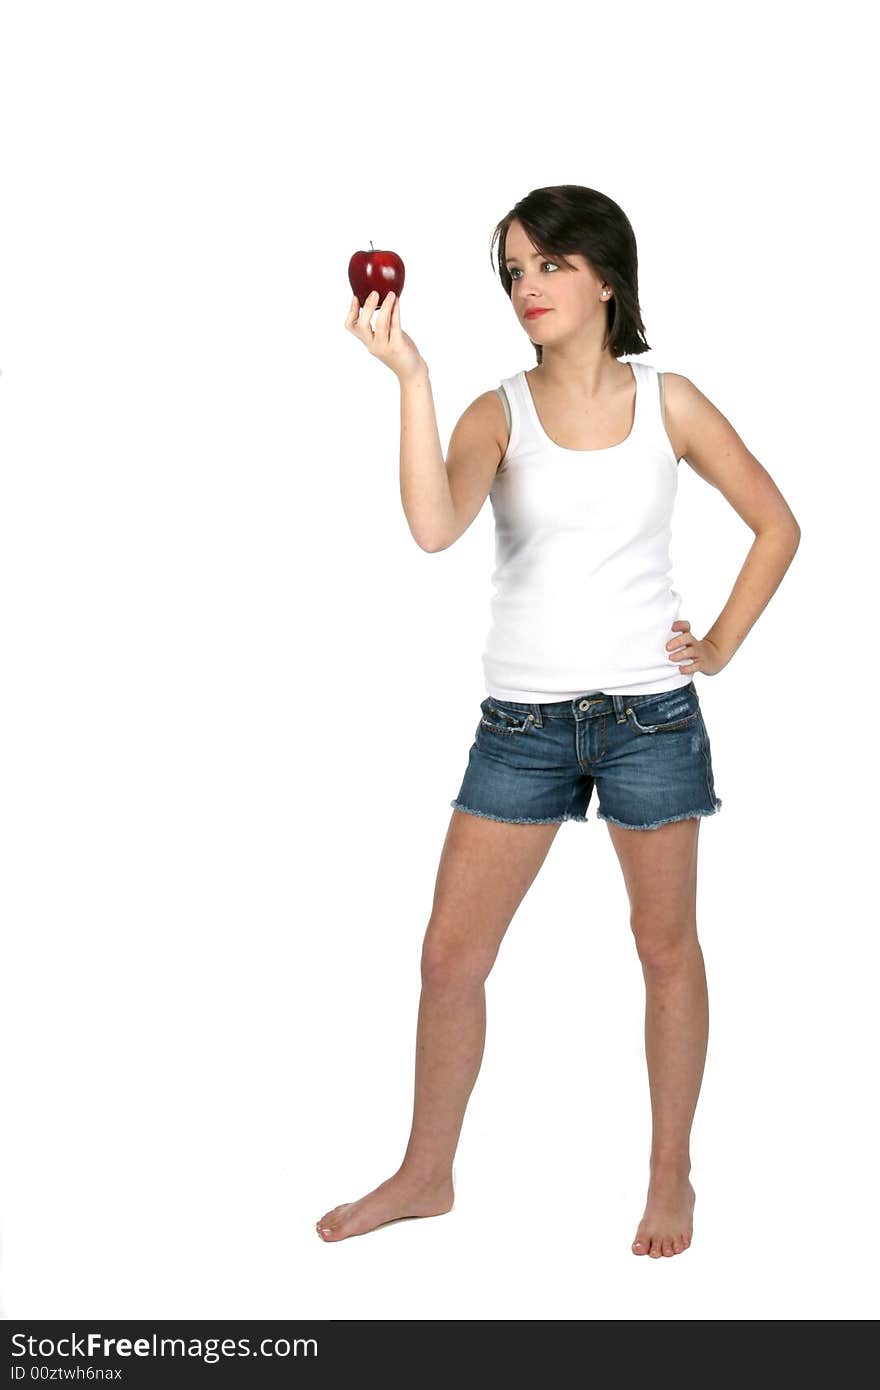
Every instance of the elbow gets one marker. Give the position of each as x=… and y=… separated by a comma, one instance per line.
x=787, y=532
x=432, y=544
x=431, y=541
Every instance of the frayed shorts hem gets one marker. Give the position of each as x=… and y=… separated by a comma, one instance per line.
x=667, y=820
x=516, y=820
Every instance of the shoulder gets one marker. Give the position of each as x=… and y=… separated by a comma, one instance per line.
x=717, y=454
x=484, y=419
x=684, y=409
x=711, y=445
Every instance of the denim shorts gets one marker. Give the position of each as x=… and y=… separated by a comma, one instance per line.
x=647, y=755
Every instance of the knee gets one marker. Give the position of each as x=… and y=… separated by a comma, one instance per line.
x=450, y=959
x=664, y=945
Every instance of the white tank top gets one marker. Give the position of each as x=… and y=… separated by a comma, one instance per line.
x=583, y=601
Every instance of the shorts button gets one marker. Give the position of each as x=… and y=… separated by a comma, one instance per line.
x=585, y=704
x=531, y=716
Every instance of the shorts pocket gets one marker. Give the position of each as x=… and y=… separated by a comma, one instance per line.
x=504, y=721
x=666, y=715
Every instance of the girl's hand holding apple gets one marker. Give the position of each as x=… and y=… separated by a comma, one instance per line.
x=388, y=341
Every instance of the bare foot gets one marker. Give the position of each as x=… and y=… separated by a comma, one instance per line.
x=668, y=1223
x=395, y=1199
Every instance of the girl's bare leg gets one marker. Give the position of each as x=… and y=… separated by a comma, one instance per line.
x=660, y=870
x=486, y=868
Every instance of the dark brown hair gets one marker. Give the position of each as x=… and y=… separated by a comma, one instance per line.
x=569, y=218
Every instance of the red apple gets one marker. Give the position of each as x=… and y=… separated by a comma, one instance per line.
x=375, y=270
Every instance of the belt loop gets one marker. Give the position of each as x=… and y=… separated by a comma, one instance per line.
x=619, y=708
x=536, y=711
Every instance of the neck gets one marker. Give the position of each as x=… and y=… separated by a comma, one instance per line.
x=585, y=374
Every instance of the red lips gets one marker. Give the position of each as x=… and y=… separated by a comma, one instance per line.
x=533, y=313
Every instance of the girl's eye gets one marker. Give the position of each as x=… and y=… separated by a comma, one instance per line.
x=515, y=268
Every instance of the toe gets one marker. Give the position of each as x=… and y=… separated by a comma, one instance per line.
x=656, y=1251
x=677, y=1245
x=666, y=1245
x=329, y=1227
x=640, y=1246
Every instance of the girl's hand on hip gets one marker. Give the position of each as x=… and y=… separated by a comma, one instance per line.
x=702, y=656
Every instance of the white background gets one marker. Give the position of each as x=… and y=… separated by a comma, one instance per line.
x=237, y=698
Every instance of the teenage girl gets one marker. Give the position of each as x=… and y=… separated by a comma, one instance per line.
x=589, y=670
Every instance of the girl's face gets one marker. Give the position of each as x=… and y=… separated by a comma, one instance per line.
x=572, y=295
